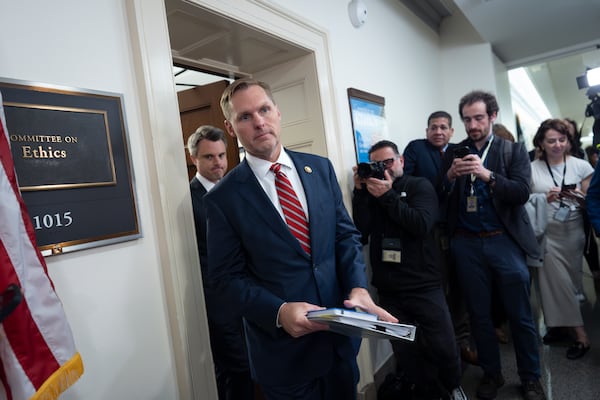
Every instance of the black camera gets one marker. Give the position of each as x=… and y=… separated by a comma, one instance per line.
x=593, y=109
x=373, y=169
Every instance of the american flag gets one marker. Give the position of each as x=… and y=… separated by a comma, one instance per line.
x=37, y=351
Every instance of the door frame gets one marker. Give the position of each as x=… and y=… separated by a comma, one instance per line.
x=176, y=244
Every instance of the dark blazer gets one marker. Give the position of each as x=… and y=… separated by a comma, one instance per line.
x=421, y=158
x=198, y=191
x=257, y=264
x=510, y=162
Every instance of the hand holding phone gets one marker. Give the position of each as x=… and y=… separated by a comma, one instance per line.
x=461, y=151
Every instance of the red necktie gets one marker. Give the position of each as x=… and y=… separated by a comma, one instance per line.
x=292, y=209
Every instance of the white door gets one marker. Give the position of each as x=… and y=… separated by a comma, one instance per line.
x=294, y=86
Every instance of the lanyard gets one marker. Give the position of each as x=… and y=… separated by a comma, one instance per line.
x=563, y=177
x=488, y=146
x=564, y=172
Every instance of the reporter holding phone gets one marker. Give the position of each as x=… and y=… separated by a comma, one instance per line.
x=490, y=237
x=564, y=180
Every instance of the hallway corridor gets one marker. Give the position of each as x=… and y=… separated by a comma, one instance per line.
x=562, y=379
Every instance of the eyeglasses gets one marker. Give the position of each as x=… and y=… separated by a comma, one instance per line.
x=387, y=163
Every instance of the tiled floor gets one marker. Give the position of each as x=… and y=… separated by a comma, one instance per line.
x=563, y=379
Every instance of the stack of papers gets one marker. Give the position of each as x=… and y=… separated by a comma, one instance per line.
x=355, y=323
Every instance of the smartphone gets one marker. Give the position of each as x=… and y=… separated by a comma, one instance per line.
x=461, y=151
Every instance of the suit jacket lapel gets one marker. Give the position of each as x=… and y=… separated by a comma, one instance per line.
x=195, y=184
x=310, y=187
x=435, y=155
x=311, y=192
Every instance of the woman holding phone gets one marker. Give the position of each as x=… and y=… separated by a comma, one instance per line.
x=563, y=180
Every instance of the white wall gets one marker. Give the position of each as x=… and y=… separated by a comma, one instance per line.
x=506, y=115
x=468, y=64
x=112, y=295
x=392, y=55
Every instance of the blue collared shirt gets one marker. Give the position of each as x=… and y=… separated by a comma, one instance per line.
x=484, y=219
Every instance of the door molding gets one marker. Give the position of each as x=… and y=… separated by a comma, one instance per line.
x=167, y=177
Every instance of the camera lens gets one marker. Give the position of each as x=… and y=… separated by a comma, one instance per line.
x=364, y=170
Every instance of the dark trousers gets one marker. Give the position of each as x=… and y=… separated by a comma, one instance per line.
x=452, y=290
x=230, y=357
x=590, y=251
x=432, y=360
x=339, y=384
x=481, y=262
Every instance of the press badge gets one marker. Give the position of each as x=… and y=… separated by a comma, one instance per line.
x=391, y=250
x=562, y=214
x=471, y=203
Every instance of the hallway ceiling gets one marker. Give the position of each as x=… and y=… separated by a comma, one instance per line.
x=201, y=39
x=555, y=39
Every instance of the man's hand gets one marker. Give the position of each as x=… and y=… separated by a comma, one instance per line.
x=358, y=181
x=377, y=187
x=292, y=317
x=360, y=297
x=469, y=164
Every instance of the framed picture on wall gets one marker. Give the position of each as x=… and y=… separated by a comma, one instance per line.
x=367, y=112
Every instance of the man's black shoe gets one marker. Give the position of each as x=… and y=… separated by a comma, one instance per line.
x=488, y=387
x=532, y=390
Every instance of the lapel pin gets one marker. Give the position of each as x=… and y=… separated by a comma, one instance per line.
x=308, y=169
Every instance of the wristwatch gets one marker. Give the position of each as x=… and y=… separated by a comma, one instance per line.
x=492, y=178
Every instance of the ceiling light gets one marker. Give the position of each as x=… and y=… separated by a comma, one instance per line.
x=590, y=78
x=593, y=76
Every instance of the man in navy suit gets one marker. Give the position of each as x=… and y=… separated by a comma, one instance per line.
x=425, y=158
x=262, y=270
x=207, y=148
x=490, y=237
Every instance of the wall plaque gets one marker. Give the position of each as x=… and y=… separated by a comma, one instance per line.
x=70, y=152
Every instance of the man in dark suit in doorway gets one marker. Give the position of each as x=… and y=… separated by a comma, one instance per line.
x=273, y=271
x=207, y=148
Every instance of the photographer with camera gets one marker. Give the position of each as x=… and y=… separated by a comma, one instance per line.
x=397, y=212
